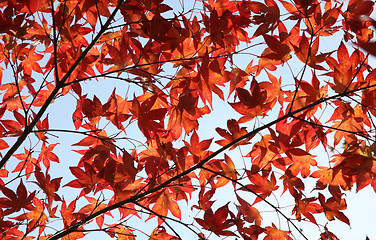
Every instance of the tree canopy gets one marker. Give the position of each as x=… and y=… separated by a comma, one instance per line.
x=104, y=114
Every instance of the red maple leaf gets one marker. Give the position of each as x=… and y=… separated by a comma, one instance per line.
x=15, y=201
x=261, y=185
x=272, y=233
x=234, y=133
x=217, y=221
x=307, y=207
x=47, y=155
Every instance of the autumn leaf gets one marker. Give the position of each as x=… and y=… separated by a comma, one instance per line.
x=49, y=186
x=307, y=52
x=332, y=208
x=86, y=180
x=27, y=162
x=327, y=235
x=261, y=185
x=15, y=201
x=280, y=51
x=235, y=133
x=36, y=216
x=30, y=63
x=334, y=178
x=272, y=233
x=164, y=203
x=160, y=233
x=47, y=155
x=94, y=206
x=204, y=199
x=3, y=144
x=149, y=119
x=307, y=207
x=250, y=213
x=294, y=184
x=301, y=162
x=250, y=105
x=120, y=232
x=197, y=148
x=226, y=169
x=217, y=221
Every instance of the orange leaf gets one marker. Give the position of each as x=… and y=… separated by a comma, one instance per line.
x=272, y=233
x=332, y=208
x=261, y=185
x=307, y=208
x=234, y=133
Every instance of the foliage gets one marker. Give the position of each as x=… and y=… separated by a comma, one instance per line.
x=139, y=152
